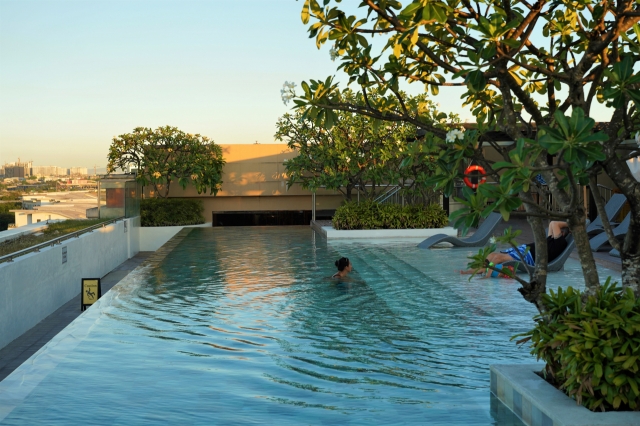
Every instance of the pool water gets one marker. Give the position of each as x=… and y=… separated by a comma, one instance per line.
x=242, y=325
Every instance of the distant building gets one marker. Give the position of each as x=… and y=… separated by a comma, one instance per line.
x=54, y=206
x=17, y=170
x=31, y=204
x=49, y=171
x=75, y=171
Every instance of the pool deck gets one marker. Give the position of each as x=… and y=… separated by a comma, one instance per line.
x=18, y=351
x=602, y=258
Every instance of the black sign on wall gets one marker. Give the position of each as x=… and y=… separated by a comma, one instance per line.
x=64, y=254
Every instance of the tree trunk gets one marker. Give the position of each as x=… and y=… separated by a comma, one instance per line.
x=630, y=255
x=589, y=270
x=537, y=286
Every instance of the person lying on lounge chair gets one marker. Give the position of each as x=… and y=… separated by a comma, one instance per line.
x=556, y=243
x=492, y=273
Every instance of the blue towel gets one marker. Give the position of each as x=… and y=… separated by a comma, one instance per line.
x=540, y=179
x=516, y=252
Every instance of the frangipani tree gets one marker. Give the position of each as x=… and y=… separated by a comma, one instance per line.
x=167, y=154
x=358, y=152
x=532, y=72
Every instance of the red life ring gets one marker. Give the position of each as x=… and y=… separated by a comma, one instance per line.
x=474, y=168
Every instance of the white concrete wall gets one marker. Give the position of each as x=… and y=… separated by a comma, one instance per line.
x=37, y=284
x=154, y=237
x=23, y=216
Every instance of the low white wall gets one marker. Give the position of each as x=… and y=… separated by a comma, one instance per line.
x=154, y=237
x=331, y=233
x=37, y=284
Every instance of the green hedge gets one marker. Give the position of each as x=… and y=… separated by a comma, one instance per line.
x=170, y=212
x=5, y=217
x=592, y=348
x=371, y=215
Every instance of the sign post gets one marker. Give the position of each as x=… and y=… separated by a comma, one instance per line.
x=90, y=292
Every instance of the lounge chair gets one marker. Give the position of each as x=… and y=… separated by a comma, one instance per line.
x=601, y=240
x=478, y=239
x=612, y=208
x=614, y=253
x=556, y=264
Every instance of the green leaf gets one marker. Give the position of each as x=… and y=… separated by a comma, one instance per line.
x=475, y=81
x=598, y=370
x=438, y=13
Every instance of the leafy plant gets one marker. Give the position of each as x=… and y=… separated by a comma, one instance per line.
x=171, y=212
x=592, y=348
x=165, y=155
x=360, y=152
x=5, y=216
x=371, y=215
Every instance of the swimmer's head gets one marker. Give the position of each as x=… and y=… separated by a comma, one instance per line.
x=342, y=263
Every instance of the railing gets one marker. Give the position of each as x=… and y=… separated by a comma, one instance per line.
x=545, y=199
x=605, y=192
x=59, y=240
x=390, y=196
x=394, y=194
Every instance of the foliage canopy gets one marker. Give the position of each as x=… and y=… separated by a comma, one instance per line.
x=361, y=153
x=531, y=74
x=167, y=154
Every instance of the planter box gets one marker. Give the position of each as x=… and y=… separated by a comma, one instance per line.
x=538, y=403
x=332, y=234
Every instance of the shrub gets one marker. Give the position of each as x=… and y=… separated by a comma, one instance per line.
x=592, y=349
x=371, y=215
x=5, y=216
x=170, y=212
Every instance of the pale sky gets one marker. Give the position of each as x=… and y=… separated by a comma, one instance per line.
x=73, y=74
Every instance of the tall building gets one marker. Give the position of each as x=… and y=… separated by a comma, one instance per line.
x=50, y=171
x=17, y=170
x=74, y=171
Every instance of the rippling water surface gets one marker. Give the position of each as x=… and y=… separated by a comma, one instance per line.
x=241, y=325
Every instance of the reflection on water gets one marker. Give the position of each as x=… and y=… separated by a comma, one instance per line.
x=242, y=326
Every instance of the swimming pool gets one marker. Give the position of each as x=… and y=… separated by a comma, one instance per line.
x=240, y=325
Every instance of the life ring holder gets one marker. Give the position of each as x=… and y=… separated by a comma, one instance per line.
x=474, y=168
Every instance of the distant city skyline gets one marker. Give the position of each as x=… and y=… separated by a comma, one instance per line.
x=77, y=73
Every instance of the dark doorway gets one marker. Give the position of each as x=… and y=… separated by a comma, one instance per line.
x=270, y=218
x=264, y=218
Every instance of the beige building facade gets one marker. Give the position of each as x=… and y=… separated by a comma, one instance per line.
x=255, y=181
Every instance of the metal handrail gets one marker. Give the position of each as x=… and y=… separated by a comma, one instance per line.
x=388, y=194
x=605, y=192
x=9, y=257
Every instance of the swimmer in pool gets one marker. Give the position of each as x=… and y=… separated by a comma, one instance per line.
x=344, y=267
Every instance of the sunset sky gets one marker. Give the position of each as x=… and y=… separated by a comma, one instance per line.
x=73, y=74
